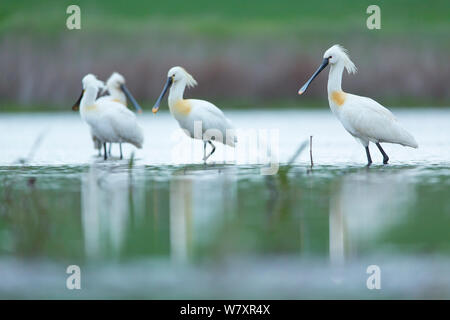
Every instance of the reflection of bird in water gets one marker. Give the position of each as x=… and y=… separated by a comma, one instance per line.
x=364, y=118
x=214, y=125
x=194, y=218
x=110, y=121
x=111, y=203
x=279, y=200
x=357, y=217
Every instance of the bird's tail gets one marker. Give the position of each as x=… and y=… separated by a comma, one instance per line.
x=138, y=145
x=406, y=139
x=137, y=139
x=412, y=143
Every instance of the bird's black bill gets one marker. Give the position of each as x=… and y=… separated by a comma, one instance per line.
x=76, y=106
x=158, y=102
x=102, y=93
x=306, y=85
x=131, y=98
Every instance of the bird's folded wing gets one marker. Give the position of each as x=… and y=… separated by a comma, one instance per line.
x=367, y=118
x=125, y=125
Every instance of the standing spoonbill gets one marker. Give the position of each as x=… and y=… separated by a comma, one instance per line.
x=119, y=92
x=76, y=107
x=364, y=118
x=110, y=121
x=189, y=111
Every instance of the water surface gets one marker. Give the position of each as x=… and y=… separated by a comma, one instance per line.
x=168, y=226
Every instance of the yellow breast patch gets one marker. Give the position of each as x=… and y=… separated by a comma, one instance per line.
x=92, y=107
x=338, y=97
x=118, y=100
x=182, y=106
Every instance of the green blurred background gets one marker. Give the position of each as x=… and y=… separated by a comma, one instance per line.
x=244, y=54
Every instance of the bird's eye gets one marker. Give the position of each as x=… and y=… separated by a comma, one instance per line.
x=330, y=57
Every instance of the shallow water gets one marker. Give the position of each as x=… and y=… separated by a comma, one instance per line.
x=167, y=226
x=63, y=139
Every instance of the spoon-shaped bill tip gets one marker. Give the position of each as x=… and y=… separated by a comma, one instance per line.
x=76, y=106
x=161, y=96
x=306, y=85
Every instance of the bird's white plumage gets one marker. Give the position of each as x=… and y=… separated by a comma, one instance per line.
x=368, y=120
x=95, y=140
x=211, y=117
x=113, y=86
x=189, y=112
x=339, y=53
x=115, y=93
x=362, y=117
x=109, y=121
x=112, y=122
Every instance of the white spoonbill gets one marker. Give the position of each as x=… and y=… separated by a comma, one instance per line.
x=119, y=92
x=76, y=107
x=110, y=121
x=188, y=112
x=364, y=118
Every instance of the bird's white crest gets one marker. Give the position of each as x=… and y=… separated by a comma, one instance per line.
x=91, y=80
x=200, y=119
x=115, y=80
x=179, y=73
x=339, y=54
x=364, y=118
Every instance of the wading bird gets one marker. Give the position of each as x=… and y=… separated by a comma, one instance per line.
x=110, y=121
x=118, y=92
x=76, y=107
x=364, y=118
x=188, y=112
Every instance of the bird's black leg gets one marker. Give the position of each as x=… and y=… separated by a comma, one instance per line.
x=109, y=149
x=385, y=156
x=212, y=151
x=369, y=158
x=204, y=151
x=120, y=146
x=213, y=148
x=104, y=149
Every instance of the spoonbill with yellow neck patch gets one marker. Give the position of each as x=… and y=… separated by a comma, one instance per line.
x=364, y=118
x=110, y=121
x=191, y=112
x=118, y=92
x=76, y=107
